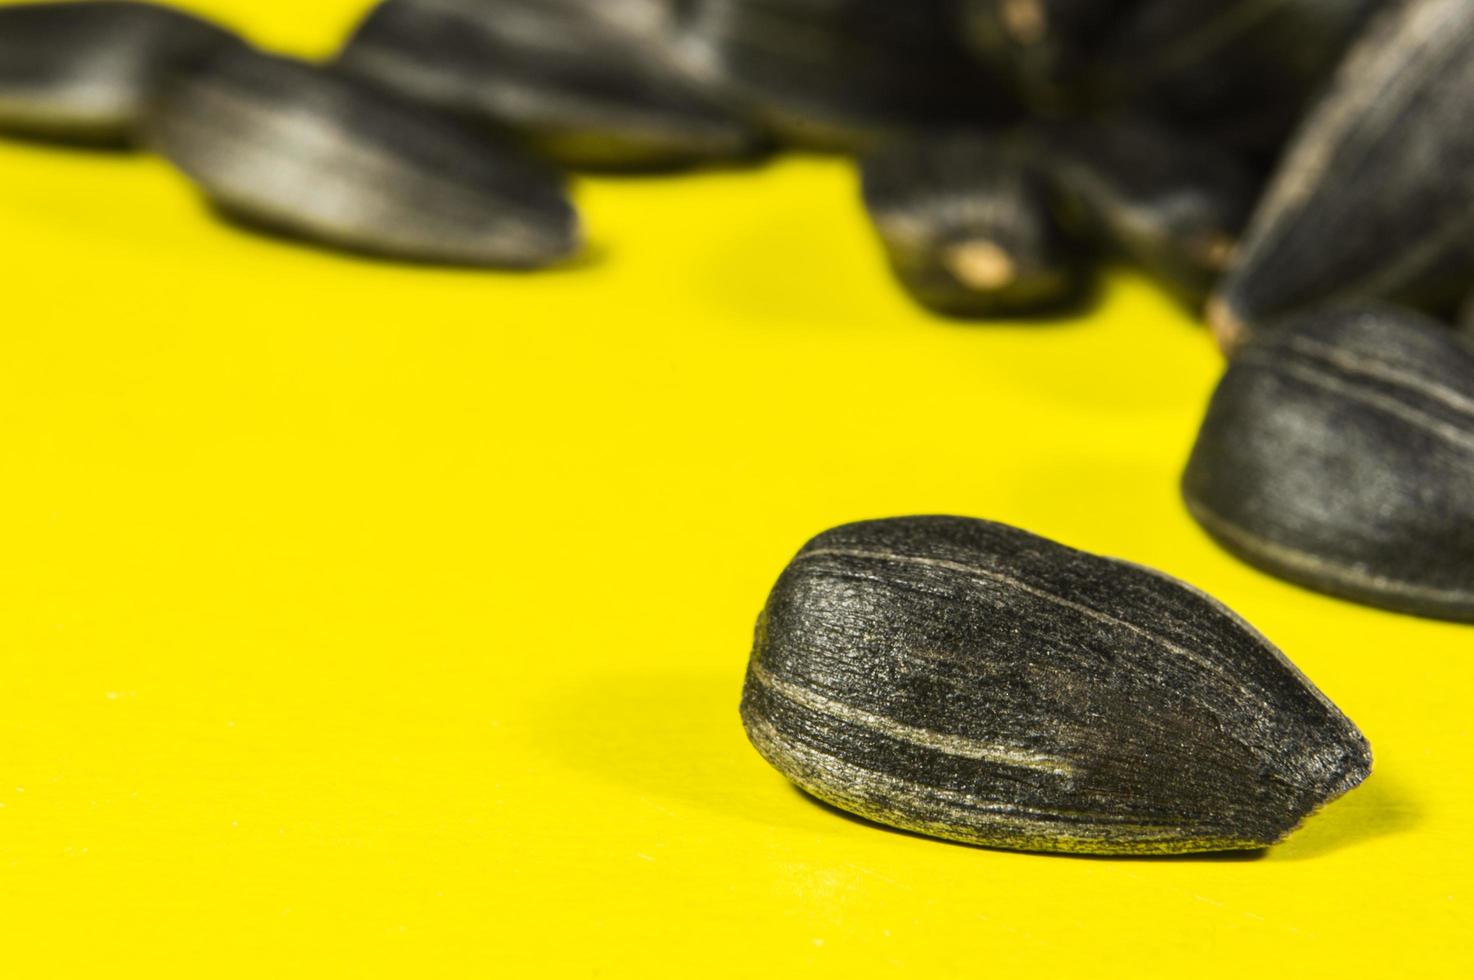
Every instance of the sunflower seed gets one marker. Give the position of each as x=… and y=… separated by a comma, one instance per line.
x=1043, y=46
x=967, y=226
x=301, y=149
x=969, y=680
x=1338, y=453
x=1172, y=204
x=839, y=74
x=1241, y=71
x=85, y=72
x=1375, y=198
x=586, y=84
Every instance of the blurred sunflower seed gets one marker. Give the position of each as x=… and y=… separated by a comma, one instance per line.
x=85, y=72
x=1239, y=71
x=840, y=74
x=968, y=226
x=584, y=83
x=304, y=150
x=1374, y=199
x=1172, y=204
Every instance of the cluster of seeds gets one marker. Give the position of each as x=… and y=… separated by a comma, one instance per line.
x=1301, y=171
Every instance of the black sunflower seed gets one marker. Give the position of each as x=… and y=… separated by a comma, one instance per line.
x=85, y=72
x=1173, y=204
x=1241, y=71
x=1375, y=197
x=972, y=681
x=840, y=74
x=588, y=84
x=302, y=149
x=968, y=226
x=1338, y=453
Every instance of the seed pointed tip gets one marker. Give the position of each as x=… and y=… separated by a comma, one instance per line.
x=1215, y=251
x=1355, y=767
x=1343, y=773
x=1026, y=21
x=981, y=264
x=1229, y=327
x=1355, y=775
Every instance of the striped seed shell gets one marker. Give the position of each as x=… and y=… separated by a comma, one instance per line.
x=1173, y=204
x=1338, y=453
x=1240, y=71
x=967, y=226
x=587, y=84
x=972, y=681
x=840, y=74
x=1375, y=197
x=1042, y=46
x=304, y=150
x=85, y=72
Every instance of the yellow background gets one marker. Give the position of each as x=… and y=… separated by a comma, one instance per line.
x=364, y=620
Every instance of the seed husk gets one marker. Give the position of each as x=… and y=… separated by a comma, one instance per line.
x=1173, y=204
x=840, y=74
x=305, y=150
x=1240, y=71
x=1042, y=46
x=972, y=681
x=1375, y=197
x=84, y=73
x=1338, y=453
x=586, y=84
x=967, y=226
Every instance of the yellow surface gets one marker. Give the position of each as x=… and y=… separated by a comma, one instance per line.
x=361, y=620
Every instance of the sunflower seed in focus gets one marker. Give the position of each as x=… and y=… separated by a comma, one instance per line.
x=1239, y=71
x=1173, y=204
x=972, y=681
x=85, y=72
x=302, y=149
x=587, y=84
x=839, y=74
x=1338, y=453
x=968, y=227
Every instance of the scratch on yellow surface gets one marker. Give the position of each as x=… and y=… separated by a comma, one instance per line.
x=362, y=620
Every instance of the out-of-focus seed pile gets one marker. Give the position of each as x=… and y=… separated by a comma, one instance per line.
x=1300, y=171
x=1003, y=145
x=1259, y=158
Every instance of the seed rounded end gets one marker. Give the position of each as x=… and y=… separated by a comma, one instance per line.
x=981, y=264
